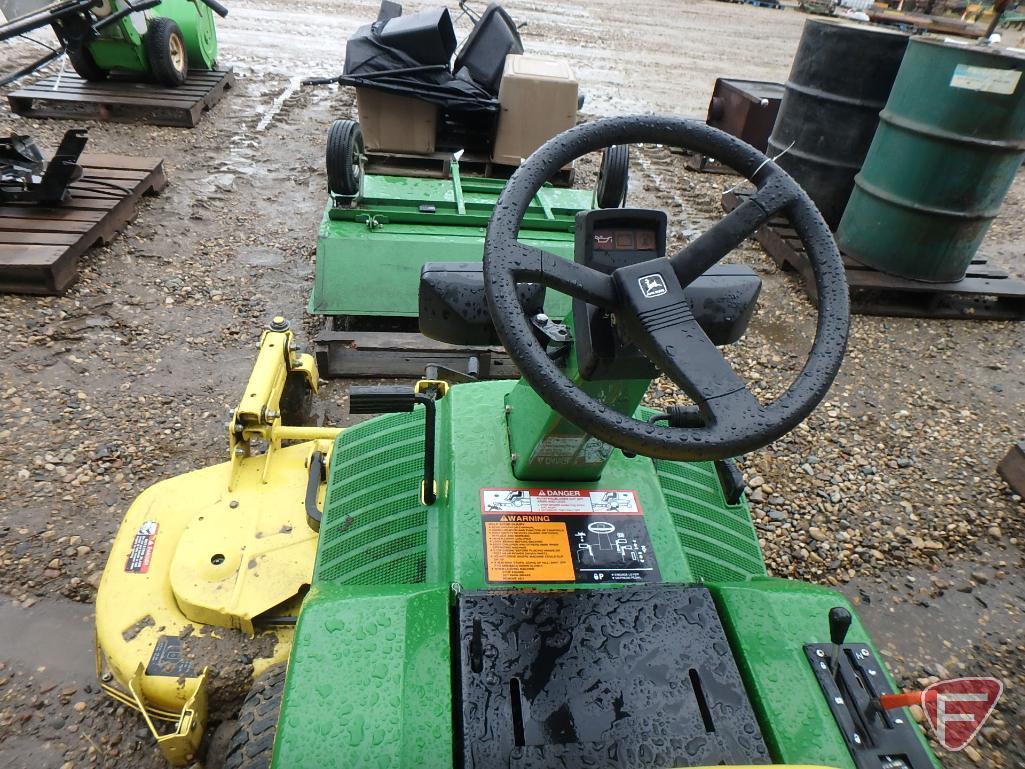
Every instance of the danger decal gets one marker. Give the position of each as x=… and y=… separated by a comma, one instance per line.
x=566, y=535
x=142, y=548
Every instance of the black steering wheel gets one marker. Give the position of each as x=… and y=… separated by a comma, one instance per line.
x=649, y=305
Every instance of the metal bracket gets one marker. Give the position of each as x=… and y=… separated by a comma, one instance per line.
x=181, y=745
x=258, y=416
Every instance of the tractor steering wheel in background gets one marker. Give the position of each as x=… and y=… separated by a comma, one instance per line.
x=649, y=305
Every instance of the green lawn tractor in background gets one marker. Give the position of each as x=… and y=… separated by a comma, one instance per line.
x=543, y=573
x=416, y=179
x=378, y=231
x=158, y=40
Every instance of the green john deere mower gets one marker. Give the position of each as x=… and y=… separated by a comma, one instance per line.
x=417, y=178
x=378, y=231
x=157, y=40
x=544, y=573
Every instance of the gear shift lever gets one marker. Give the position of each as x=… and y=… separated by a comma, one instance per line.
x=839, y=623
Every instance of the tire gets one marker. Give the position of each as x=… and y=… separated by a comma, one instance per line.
x=613, y=176
x=252, y=743
x=165, y=49
x=296, y=401
x=85, y=65
x=344, y=157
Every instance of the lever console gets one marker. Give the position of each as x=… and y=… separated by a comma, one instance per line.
x=852, y=680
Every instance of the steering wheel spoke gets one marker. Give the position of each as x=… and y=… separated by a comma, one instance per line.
x=776, y=194
x=539, y=266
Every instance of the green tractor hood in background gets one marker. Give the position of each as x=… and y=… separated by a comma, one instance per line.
x=369, y=255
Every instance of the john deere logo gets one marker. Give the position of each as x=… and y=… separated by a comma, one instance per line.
x=652, y=286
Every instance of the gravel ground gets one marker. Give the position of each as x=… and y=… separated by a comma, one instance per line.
x=888, y=491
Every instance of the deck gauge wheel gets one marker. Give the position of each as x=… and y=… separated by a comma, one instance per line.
x=650, y=307
x=345, y=154
x=165, y=49
x=613, y=176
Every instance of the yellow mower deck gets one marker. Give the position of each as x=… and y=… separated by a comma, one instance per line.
x=217, y=557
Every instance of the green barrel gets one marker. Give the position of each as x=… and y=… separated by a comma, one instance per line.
x=949, y=143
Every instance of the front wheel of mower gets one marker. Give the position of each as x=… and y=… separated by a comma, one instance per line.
x=344, y=157
x=252, y=743
x=165, y=49
x=85, y=65
x=613, y=176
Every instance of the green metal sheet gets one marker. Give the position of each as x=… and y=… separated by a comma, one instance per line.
x=718, y=539
x=121, y=47
x=199, y=32
x=375, y=531
x=768, y=621
x=369, y=686
x=369, y=256
x=950, y=142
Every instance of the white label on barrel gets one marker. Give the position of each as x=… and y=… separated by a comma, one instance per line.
x=986, y=79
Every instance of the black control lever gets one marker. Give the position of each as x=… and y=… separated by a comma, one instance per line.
x=839, y=623
x=380, y=399
x=852, y=681
x=395, y=399
x=216, y=7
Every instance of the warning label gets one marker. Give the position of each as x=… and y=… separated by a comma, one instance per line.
x=142, y=547
x=566, y=535
x=532, y=552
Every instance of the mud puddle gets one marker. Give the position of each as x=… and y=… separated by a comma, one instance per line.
x=52, y=637
x=931, y=617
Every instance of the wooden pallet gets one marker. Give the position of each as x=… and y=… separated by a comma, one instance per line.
x=124, y=101
x=402, y=354
x=40, y=246
x=985, y=293
x=436, y=165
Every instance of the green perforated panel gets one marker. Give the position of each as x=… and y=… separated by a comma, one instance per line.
x=718, y=539
x=374, y=529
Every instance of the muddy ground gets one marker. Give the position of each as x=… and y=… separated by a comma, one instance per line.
x=888, y=491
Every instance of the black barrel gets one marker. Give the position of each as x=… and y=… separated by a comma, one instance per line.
x=840, y=80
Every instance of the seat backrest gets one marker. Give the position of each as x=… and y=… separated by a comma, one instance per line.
x=492, y=38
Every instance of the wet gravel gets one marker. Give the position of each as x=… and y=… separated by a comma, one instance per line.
x=888, y=491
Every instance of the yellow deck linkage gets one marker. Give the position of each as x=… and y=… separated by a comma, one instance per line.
x=215, y=551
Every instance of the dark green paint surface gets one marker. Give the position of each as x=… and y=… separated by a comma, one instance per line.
x=369, y=256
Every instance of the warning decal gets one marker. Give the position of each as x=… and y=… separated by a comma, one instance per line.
x=142, y=547
x=566, y=535
x=532, y=552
